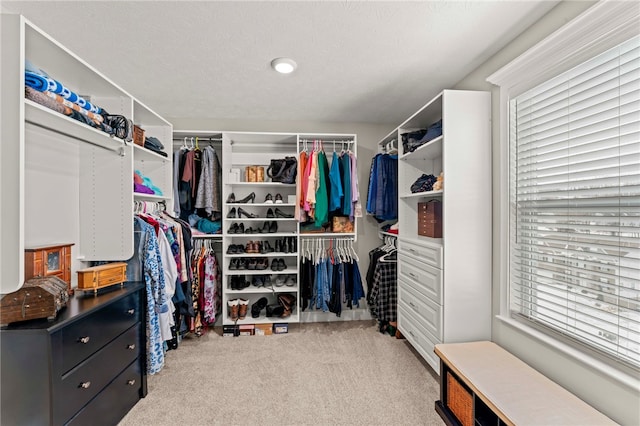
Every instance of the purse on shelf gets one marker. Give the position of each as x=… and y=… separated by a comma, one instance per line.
x=342, y=224
x=283, y=170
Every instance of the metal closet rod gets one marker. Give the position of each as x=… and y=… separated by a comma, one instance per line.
x=327, y=141
x=199, y=139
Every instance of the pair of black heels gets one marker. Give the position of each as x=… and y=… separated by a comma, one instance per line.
x=278, y=213
x=239, y=213
x=249, y=198
x=267, y=228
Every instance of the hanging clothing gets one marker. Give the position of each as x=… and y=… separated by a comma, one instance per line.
x=382, y=197
x=208, y=192
x=346, y=184
x=356, y=208
x=322, y=193
x=337, y=194
x=151, y=267
x=383, y=294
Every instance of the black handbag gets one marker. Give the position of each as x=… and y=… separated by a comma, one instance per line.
x=283, y=170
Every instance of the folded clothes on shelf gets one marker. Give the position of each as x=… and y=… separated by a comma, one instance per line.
x=423, y=183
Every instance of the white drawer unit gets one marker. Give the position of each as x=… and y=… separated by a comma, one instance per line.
x=422, y=251
x=425, y=278
x=428, y=311
x=417, y=335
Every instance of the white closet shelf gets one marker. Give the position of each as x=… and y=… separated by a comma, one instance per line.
x=274, y=254
x=260, y=219
x=150, y=197
x=327, y=234
x=268, y=271
x=266, y=235
x=267, y=290
x=144, y=154
x=425, y=194
x=260, y=204
x=280, y=184
x=264, y=320
x=46, y=118
x=388, y=234
x=429, y=151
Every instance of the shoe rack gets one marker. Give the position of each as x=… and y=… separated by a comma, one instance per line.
x=260, y=234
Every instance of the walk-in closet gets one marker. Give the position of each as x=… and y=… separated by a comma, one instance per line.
x=319, y=213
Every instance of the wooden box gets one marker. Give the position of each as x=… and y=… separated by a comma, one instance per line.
x=138, y=135
x=430, y=219
x=97, y=277
x=48, y=261
x=39, y=297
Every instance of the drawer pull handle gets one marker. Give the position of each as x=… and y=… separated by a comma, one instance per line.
x=84, y=340
x=412, y=275
x=412, y=305
x=411, y=333
x=131, y=346
x=412, y=250
x=85, y=385
x=131, y=311
x=131, y=382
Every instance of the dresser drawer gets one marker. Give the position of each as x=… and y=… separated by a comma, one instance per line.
x=426, y=253
x=426, y=311
x=81, y=384
x=419, y=338
x=425, y=278
x=114, y=402
x=85, y=337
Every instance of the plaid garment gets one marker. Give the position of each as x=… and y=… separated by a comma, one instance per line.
x=383, y=297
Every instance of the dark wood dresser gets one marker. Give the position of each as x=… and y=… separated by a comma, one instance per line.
x=86, y=367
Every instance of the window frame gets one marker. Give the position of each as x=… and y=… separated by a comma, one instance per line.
x=598, y=29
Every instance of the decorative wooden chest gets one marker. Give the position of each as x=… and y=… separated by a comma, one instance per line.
x=97, y=277
x=40, y=297
x=46, y=261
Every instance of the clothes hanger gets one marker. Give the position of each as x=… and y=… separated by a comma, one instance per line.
x=354, y=255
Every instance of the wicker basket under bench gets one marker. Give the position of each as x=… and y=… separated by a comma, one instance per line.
x=483, y=384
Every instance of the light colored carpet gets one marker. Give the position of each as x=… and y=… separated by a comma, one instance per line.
x=339, y=373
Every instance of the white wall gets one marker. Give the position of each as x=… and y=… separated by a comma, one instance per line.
x=618, y=401
x=368, y=136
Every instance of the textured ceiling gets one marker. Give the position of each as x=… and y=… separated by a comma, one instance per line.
x=374, y=62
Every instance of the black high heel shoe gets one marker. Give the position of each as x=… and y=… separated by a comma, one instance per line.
x=246, y=199
x=279, y=213
x=231, y=198
x=279, y=199
x=268, y=199
x=273, y=227
x=242, y=212
x=232, y=213
x=233, y=229
x=270, y=214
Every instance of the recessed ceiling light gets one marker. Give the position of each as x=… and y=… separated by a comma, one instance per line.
x=284, y=65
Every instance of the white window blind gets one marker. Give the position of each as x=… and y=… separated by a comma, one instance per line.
x=575, y=203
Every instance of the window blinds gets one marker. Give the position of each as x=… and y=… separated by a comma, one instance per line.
x=575, y=203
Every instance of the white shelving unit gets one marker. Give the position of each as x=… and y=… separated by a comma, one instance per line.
x=62, y=180
x=242, y=149
x=444, y=284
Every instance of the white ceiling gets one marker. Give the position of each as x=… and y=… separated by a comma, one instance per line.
x=365, y=61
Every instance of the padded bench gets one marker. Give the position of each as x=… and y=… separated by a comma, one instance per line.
x=483, y=384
